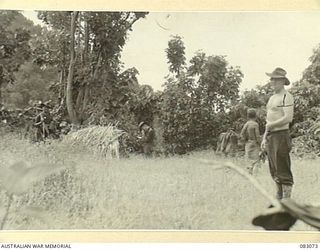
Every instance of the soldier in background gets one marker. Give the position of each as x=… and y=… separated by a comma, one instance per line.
x=250, y=135
x=42, y=122
x=147, y=138
x=227, y=144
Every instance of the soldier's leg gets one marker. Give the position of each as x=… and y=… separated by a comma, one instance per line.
x=284, y=165
x=271, y=154
x=279, y=195
x=272, y=151
x=287, y=189
x=147, y=150
x=247, y=149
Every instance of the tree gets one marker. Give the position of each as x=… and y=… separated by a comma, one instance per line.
x=69, y=93
x=195, y=101
x=51, y=48
x=197, y=64
x=98, y=41
x=312, y=72
x=14, y=47
x=176, y=55
x=218, y=84
x=252, y=98
x=143, y=103
x=306, y=102
x=32, y=83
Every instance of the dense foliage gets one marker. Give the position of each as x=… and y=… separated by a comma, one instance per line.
x=74, y=60
x=196, y=98
x=14, y=46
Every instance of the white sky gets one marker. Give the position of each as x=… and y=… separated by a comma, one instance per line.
x=258, y=42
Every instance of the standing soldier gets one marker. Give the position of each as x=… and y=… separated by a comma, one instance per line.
x=42, y=121
x=250, y=135
x=276, y=140
x=146, y=139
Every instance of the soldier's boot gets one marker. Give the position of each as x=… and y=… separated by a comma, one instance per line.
x=279, y=194
x=286, y=191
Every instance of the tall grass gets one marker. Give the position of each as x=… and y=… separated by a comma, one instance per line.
x=92, y=192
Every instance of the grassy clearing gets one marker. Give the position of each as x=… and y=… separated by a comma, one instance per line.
x=138, y=193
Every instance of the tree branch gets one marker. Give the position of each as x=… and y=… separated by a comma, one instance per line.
x=244, y=174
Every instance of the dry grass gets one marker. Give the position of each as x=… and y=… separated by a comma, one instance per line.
x=100, y=140
x=137, y=193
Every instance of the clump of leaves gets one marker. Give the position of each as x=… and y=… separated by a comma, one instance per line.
x=306, y=146
x=315, y=129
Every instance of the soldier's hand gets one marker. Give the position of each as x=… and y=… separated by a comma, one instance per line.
x=262, y=156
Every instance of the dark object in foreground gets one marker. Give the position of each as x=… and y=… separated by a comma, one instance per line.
x=285, y=218
x=280, y=220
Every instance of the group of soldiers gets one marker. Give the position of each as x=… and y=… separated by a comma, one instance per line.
x=275, y=144
x=246, y=143
x=38, y=122
x=44, y=122
x=41, y=121
x=48, y=123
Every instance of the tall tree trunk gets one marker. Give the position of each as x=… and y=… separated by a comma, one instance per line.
x=86, y=58
x=82, y=97
x=86, y=97
x=86, y=42
x=1, y=81
x=62, y=93
x=0, y=91
x=70, y=105
x=79, y=100
x=97, y=68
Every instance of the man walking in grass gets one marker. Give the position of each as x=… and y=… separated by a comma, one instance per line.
x=276, y=140
x=250, y=135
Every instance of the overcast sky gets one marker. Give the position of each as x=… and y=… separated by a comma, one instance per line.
x=257, y=42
